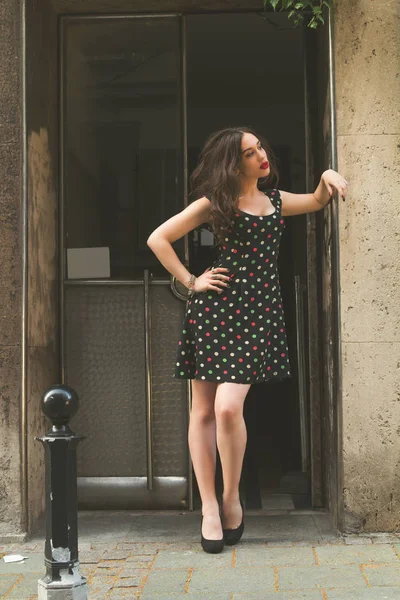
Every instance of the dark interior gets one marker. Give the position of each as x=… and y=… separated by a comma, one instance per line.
x=123, y=157
x=244, y=74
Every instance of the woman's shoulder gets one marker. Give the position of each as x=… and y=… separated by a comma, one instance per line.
x=202, y=203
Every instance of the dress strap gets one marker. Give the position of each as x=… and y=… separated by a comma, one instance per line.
x=275, y=198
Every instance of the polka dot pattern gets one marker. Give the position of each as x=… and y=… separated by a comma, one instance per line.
x=239, y=335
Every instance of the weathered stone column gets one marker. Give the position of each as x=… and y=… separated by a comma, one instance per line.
x=32, y=335
x=367, y=60
x=10, y=269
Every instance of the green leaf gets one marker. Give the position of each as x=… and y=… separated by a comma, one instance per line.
x=295, y=8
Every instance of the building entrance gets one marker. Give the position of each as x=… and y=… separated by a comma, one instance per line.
x=139, y=95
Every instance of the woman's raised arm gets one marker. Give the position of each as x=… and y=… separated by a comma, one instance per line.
x=162, y=238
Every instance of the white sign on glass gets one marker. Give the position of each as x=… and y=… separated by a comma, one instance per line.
x=88, y=263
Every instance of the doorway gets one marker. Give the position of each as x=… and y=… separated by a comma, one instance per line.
x=139, y=96
x=236, y=78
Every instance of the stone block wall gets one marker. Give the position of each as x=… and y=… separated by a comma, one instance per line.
x=367, y=65
x=10, y=267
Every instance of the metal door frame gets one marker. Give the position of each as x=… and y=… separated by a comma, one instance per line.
x=325, y=492
x=310, y=227
x=89, y=486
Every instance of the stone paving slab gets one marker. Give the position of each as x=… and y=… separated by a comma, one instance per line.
x=283, y=527
x=136, y=575
x=359, y=554
x=382, y=574
x=26, y=589
x=301, y=578
x=375, y=593
x=185, y=527
x=7, y=581
x=385, y=538
x=98, y=578
x=252, y=557
x=90, y=557
x=171, y=581
x=163, y=596
x=280, y=557
x=232, y=579
x=307, y=595
x=128, y=594
x=187, y=559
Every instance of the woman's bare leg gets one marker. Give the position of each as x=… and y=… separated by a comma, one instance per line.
x=203, y=451
x=231, y=441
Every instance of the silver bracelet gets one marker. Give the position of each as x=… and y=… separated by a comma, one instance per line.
x=190, y=285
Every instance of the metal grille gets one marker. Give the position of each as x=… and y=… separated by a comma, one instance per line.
x=105, y=365
x=169, y=395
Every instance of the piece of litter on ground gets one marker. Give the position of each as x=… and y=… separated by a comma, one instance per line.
x=14, y=558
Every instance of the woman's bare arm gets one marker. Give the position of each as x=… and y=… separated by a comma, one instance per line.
x=162, y=238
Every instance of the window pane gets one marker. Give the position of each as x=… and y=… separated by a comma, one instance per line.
x=122, y=142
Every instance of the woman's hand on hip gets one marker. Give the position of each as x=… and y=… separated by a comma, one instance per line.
x=212, y=279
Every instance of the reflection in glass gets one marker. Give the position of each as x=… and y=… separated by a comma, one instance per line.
x=122, y=132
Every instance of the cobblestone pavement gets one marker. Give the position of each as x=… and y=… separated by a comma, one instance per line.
x=275, y=561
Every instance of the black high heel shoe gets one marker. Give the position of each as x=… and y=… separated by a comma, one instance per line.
x=211, y=546
x=232, y=536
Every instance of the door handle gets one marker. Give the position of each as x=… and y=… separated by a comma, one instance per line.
x=149, y=407
x=301, y=370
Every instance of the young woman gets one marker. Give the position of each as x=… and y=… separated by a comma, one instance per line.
x=234, y=328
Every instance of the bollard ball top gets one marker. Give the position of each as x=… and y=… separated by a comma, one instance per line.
x=60, y=403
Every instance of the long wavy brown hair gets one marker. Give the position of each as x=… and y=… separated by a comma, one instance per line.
x=215, y=176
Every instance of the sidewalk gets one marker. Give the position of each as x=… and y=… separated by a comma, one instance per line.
x=157, y=556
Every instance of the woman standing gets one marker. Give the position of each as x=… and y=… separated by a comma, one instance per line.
x=234, y=327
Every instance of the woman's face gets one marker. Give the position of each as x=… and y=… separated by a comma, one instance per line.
x=254, y=162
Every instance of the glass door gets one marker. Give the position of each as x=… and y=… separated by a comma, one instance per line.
x=123, y=157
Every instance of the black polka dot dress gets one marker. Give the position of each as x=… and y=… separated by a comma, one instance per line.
x=239, y=335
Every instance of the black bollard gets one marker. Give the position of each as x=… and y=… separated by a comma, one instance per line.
x=62, y=580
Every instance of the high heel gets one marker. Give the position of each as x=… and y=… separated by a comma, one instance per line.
x=232, y=536
x=210, y=546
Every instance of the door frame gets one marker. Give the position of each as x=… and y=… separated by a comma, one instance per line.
x=331, y=335
x=168, y=489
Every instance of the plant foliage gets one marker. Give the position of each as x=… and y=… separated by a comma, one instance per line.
x=295, y=8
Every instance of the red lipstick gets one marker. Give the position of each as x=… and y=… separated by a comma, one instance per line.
x=264, y=165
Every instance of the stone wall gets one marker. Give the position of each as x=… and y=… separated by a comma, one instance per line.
x=367, y=61
x=367, y=53
x=42, y=171
x=10, y=267
x=42, y=296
